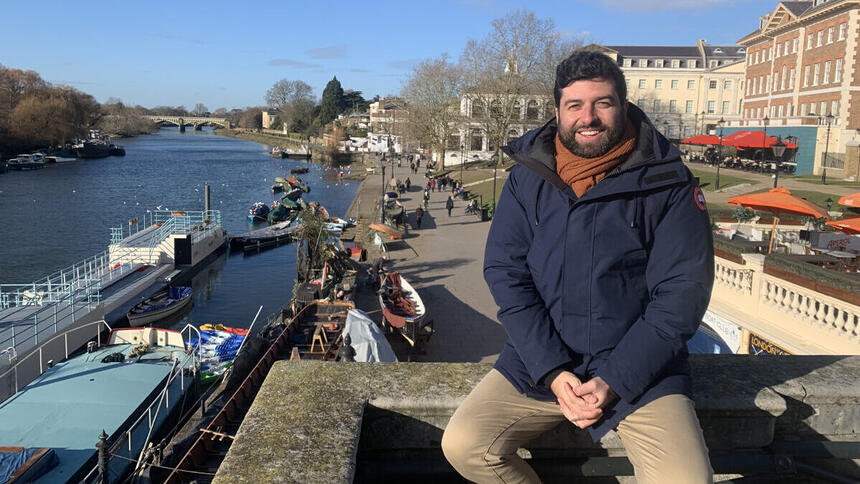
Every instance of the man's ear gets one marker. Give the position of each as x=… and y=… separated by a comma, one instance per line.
x=556, y=116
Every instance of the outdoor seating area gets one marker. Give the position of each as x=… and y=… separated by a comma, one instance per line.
x=744, y=150
x=711, y=158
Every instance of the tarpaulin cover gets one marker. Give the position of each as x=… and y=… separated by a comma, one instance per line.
x=217, y=347
x=366, y=338
x=11, y=461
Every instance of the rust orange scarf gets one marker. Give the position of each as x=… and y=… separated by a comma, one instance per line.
x=583, y=173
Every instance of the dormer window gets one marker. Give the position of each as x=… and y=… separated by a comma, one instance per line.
x=742, y=51
x=718, y=51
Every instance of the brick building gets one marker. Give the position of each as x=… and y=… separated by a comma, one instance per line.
x=801, y=79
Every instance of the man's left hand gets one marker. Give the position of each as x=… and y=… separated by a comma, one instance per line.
x=599, y=390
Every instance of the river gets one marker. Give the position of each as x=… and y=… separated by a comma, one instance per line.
x=54, y=217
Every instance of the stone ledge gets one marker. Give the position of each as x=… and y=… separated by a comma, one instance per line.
x=308, y=418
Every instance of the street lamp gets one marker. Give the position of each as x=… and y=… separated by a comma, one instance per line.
x=721, y=122
x=829, y=120
x=382, y=210
x=764, y=123
x=778, y=151
x=462, y=160
x=702, y=117
x=666, y=129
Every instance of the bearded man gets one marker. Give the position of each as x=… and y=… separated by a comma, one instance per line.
x=600, y=259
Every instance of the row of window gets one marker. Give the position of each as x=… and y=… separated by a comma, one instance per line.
x=674, y=83
x=813, y=39
x=533, y=109
x=806, y=109
x=813, y=75
x=657, y=106
x=673, y=63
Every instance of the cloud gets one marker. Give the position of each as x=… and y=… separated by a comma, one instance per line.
x=339, y=51
x=657, y=5
x=403, y=64
x=359, y=70
x=292, y=63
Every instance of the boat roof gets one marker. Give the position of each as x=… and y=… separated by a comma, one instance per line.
x=68, y=406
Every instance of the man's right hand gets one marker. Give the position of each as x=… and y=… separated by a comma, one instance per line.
x=581, y=411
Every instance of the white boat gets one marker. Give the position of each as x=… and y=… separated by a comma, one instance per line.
x=159, y=306
x=403, y=310
x=58, y=159
x=32, y=161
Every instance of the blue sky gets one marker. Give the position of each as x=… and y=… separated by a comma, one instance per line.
x=228, y=53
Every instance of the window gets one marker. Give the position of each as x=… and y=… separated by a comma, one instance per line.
x=786, y=47
x=692, y=64
x=641, y=104
x=816, y=72
x=767, y=84
x=777, y=49
x=830, y=32
x=688, y=131
x=691, y=84
x=757, y=53
x=820, y=38
x=676, y=63
x=842, y=28
x=688, y=107
x=711, y=107
x=772, y=114
x=811, y=109
x=643, y=62
x=837, y=74
x=782, y=80
x=656, y=106
x=791, y=79
x=674, y=84
x=748, y=88
x=834, y=108
x=826, y=79
x=727, y=85
x=532, y=110
x=477, y=109
x=779, y=111
x=642, y=84
x=658, y=63
x=769, y=53
x=749, y=60
x=775, y=81
x=806, y=76
x=477, y=142
x=823, y=107
x=658, y=84
x=789, y=111
x=628, y=62
x=794, y=45
x=809, y=39
x=714, y=63
x=673, y=106
x=726, y=108
x=712, y=84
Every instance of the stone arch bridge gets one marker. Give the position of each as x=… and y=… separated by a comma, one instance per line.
x=182, y=121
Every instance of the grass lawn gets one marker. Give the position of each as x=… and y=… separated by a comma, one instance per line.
x=485, y=190
x=816, y=179
x=707, y=180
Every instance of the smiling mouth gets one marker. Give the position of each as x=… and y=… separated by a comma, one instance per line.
x=589, y=134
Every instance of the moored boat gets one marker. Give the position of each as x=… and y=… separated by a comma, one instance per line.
x=277, y=153
x=301, y=170
x=32, y=161
x=403, y=310
x=116, y=150
x=161, y=305
x=258, y=212
x=128, y=389
x=218, y=347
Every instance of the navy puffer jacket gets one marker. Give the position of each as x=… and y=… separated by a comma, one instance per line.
x=611, y=284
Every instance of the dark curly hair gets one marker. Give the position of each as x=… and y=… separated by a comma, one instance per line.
x=588, y=64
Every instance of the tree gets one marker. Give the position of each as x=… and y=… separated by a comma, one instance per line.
x=432, y=92
x=220, y=112
x=294, y=100
x=353, y=102
x=332, y=102
x=252, y=118
x=515, y=59
x=200, y=109
x=15, y=84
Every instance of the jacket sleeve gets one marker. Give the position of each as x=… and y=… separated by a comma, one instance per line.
x=679, y=274
x=522, y=311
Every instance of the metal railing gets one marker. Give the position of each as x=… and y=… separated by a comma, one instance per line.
x=11, y=379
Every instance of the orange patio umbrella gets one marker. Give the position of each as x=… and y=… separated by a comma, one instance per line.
x=852, y=200
x=779, y=201
x=849, y=226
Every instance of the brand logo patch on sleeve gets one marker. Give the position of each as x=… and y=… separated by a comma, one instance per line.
x=699, y=198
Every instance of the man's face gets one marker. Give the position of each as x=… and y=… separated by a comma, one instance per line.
x=591, y=118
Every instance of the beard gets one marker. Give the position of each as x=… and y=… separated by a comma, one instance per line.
x=611, y=136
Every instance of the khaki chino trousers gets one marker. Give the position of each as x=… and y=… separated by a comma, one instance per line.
x=663, y=439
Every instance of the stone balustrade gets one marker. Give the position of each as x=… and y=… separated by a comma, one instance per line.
x=795, y=318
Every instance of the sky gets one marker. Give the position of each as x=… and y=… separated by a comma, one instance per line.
x=229, y=53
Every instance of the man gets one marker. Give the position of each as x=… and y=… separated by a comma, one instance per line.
x=600, y=259
x=449, y=204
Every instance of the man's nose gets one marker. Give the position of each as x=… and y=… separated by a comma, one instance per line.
x=588, y=115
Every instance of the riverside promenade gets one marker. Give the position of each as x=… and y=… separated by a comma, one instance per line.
x=443, y=260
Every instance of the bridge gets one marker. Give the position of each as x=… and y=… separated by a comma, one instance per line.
x=197, y=121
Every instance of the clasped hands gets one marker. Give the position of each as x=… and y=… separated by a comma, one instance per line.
x=582, y=403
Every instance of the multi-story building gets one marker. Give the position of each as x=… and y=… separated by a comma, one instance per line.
x=387, y=114
x=685, y=90
x=801, y=76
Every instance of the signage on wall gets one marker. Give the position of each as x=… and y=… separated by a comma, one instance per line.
x=761, y=346
x=728, y=331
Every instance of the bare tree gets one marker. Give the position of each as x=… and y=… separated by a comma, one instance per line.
x=200, y=109
x=432, y=94
x=295, y=100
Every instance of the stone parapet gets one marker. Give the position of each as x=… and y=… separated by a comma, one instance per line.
x=345, y=422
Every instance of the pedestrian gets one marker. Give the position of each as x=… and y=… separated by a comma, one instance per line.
x=426, y=198
x=449, y=204
x=600, y=258
x=408, y=183
x=432, y=184
x=419, y=214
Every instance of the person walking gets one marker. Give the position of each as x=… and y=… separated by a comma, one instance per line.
x=419, y=214
x=427, y=198
x=449, y=204
x=600, y=258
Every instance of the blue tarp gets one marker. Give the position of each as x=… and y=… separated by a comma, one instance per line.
x=12, y=461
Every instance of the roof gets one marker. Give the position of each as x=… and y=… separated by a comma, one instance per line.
x=655, y=50
x=797, y=8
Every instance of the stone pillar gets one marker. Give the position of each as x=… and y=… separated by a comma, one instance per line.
x=181, y=125
x=852, y=161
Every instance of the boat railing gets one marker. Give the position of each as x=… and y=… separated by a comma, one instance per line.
x=32, y=365
x=178, y=221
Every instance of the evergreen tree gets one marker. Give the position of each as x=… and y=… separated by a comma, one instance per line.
x=332, y=102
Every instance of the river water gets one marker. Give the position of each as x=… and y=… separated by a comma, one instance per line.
x=54, y=217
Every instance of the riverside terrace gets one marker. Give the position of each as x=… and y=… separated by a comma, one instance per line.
x=788, y=418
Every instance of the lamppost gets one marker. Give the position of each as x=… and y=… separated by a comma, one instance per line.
x=778, y=151
x=721, y=123
x=764, y=123
x=666, y=129
x=462, y=160
x=702, y=117
x=829, y=119
x=382, y=210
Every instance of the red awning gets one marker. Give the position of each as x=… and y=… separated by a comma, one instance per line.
x=753, y=140
x=702, y=139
